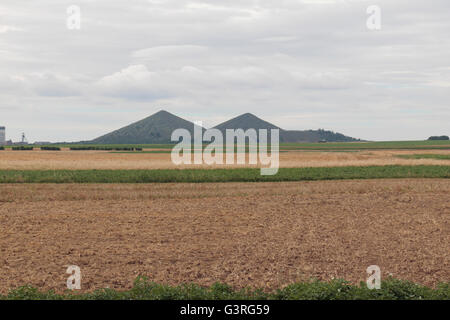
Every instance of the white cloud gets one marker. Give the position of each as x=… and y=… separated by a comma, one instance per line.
x=168, y=52
x=4, y=28
x=135, y=82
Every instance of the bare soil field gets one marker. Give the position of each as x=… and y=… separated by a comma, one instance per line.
x=72, y=160
x=245, y=234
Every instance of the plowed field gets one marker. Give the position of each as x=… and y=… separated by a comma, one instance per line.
x=245, y=234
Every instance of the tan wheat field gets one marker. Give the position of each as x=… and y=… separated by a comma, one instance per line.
x=71, y=160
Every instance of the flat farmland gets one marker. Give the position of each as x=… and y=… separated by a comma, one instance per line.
x=245, y=234
x=106, y=160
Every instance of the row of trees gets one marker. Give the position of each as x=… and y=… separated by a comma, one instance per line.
x=439, y=138
x=51, y=148
x=106, y=148
x=22, y=148
x=76, y=148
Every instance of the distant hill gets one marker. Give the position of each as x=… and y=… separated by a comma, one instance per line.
x=158, y=128
x=248, y=120
x=314, y=136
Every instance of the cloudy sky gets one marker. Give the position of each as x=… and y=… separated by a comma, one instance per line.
x=299, y=64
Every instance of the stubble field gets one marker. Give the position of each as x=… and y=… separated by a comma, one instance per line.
x=245, y=234
x=103, y=160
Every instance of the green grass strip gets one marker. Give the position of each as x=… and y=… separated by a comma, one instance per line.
x=423, y=144
x=391, y=289
x=425, y=156
x=221, y=175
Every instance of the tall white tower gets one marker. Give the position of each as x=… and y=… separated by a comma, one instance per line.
x=2, y=136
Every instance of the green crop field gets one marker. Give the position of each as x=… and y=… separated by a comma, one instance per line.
x=380, y=145
x=330, y=146
x=391, y=289
x=221, y=175
x=425, y=156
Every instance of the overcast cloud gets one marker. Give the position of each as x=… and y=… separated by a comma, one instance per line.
x=296, y=64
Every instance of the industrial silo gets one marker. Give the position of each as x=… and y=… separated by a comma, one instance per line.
x=2, y=136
